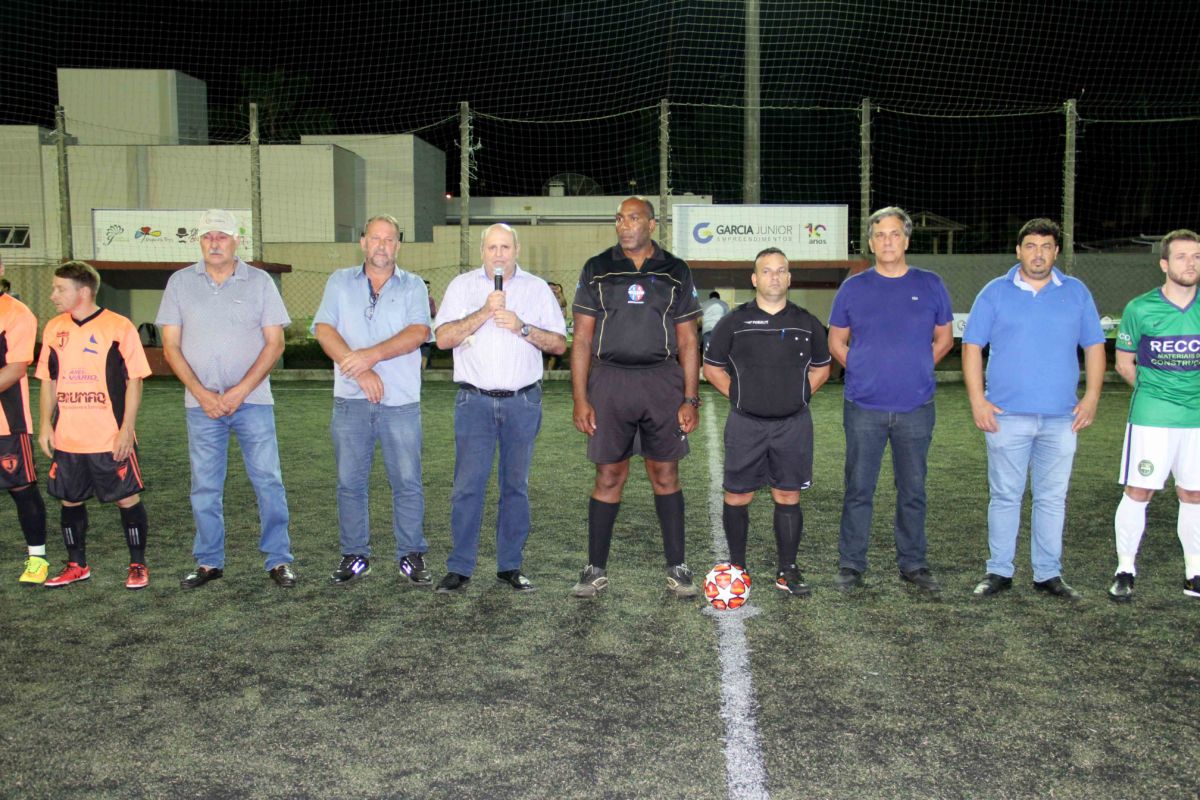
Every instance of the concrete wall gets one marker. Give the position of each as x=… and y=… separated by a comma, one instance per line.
x=541, y=209
x=22, y=201
x=1113, y=278
x=403, y=176
x=133, y=106
x=428, y=189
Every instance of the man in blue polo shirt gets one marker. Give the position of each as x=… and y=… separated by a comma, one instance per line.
x=372, y=322
x=888, y=327
x=1033, y=319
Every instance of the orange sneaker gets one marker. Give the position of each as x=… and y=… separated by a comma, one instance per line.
x=72, y=574
x=139, y=577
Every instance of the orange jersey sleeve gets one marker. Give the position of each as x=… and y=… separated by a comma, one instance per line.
x=18, y=330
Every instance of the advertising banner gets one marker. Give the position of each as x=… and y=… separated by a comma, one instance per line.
x=157, y=234
x=737, y=233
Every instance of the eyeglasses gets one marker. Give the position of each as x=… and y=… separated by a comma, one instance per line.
x=374, y=301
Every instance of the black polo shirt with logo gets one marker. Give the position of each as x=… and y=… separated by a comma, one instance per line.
x=636, y=310
x=768, y=357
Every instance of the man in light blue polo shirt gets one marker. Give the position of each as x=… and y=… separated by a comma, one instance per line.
x=1034, y=318
x=222, y=326
x=372, y=322
x=498, y=336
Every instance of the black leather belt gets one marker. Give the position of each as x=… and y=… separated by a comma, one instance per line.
x=499, y=392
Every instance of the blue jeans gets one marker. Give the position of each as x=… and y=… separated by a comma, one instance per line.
x=867, y=433
x=1048, y=444
x=356, y=426
x=208, y=449
x=480, y=422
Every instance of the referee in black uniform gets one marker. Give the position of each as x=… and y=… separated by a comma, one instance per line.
x=768, y=356
x=635, y=376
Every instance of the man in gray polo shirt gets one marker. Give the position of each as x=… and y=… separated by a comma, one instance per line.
x=222, y=326
x=372, y=321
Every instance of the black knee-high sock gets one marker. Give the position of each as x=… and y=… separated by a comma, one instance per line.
x=74, y=530
x=133, y=520
x=601, y=519
x=31, y=513
x=789, y=527
x=670, y=519
x=737, y=531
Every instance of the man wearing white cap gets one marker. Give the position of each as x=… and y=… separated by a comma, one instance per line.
x=222, y=325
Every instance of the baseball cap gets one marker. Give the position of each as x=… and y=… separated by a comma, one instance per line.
x=217, y=219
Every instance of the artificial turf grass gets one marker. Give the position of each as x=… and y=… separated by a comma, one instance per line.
x=242, y=689
x=373, y=689
x=894, y=694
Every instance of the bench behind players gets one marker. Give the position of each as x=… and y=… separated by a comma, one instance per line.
x=768, y=356
x=91, y=366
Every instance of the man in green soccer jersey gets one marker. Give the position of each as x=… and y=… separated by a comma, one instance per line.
x=1158, y=353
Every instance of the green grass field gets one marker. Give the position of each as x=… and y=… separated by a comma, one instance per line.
x=240, y=689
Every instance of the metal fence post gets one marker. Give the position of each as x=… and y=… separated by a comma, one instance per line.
x=464, y=189
x=1067, y=261
x=66, y=245
x=864, y=175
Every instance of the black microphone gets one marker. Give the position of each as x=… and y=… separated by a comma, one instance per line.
x=500, y=281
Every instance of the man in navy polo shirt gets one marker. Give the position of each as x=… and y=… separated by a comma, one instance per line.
x=888, y=327
x=768, y=356
x=635, y=378
x=1033, y=319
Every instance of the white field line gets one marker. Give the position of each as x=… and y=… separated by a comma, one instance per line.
x=745, y=775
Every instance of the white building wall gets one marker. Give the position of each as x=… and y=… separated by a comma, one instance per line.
x=22, y=196
x=404, y=177
x=133, y=106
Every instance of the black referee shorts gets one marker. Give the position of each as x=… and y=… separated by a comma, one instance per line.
x=636, y=404
x=768, y=452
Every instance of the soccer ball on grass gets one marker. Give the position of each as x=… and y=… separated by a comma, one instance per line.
x=727, y=587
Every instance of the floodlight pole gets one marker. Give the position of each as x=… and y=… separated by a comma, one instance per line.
x=864, y=177
x=1067, y=260
x=751, y=160
x=256, y=228
x=464, y=186
x=664, y=184
x=66, y=243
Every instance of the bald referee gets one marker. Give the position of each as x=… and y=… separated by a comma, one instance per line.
x=768, y=356
x=635, y=374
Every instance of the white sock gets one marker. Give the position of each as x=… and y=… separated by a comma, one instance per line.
x=1130, y=524
x=1189, y=537
x=39, y=551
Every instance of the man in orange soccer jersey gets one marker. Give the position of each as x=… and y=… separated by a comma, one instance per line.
x=92, y=365
x=18, y=328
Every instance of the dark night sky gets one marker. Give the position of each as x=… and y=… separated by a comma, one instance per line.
x=378, y=62
x=383, y=66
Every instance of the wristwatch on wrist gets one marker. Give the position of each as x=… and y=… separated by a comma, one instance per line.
x=693, y=401
x=526, y=330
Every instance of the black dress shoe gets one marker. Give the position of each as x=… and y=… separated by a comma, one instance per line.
x=1058, y=588
x=453, y=583
x=284, y=576
x=200, y=576
x=515, y=579
x=847, y=579
x=922, y=578
x=992, y=584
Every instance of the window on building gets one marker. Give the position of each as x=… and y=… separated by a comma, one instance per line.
x=14, y=236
